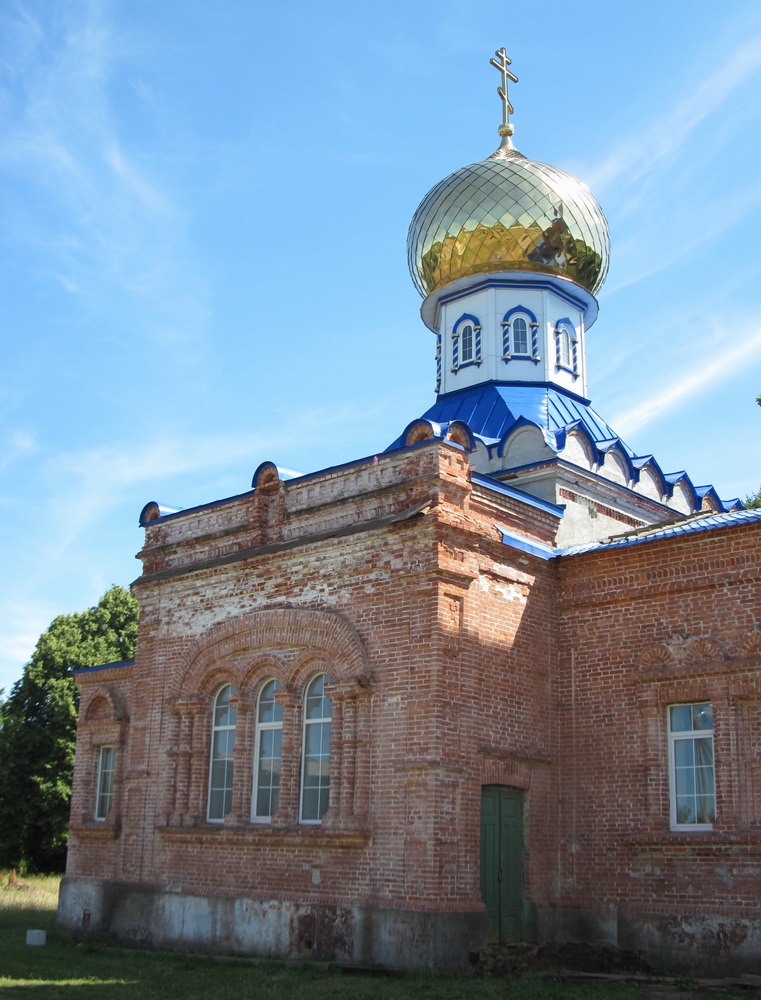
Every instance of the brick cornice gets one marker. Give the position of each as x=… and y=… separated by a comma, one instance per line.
x=274, y=547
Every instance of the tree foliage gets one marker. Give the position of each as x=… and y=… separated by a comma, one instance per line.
x=753, y=500
x=38, y=729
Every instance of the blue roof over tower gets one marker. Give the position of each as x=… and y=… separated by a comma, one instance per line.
x=492, y=409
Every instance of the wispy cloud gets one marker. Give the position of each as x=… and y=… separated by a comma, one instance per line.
x=97, y=219
x=680, y=232
x=85, y=485
x=697, y=380
x=83, y=498
x=26, y=620
x=646, y=151
x=19, y=443
x=668, y=201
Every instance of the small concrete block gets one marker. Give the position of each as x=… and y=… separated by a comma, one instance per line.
x=36, y=937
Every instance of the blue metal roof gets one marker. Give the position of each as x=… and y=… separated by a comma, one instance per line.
x=491, y=409
x=557, y=510
x=104, y=666
x=690, y=526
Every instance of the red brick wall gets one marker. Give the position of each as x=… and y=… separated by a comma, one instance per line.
x=446, y=688
x=455, y=661
x=641, y=628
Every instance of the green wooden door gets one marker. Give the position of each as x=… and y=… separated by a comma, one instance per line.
x=502, y=861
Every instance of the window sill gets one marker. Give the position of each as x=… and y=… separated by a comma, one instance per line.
x=695, y=842
x=96, y=831
x=264, y=835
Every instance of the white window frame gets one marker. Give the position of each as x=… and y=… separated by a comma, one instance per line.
x=265, y=727
x=473, y=357
x=467, y=331
x=565, y=350
x=319, y=763
x=685, y=771
x=219, y=733
x=513, y=347
x=104, y=787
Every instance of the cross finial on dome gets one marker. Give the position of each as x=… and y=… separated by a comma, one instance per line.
x=501, y=63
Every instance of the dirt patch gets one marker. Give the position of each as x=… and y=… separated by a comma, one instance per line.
x=593, y=958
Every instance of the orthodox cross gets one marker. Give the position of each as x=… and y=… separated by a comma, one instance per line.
x=501, y=63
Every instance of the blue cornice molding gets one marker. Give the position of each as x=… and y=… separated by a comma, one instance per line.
x=103, y=666
x=544, y=283
x=516, y=384
x=562, y=287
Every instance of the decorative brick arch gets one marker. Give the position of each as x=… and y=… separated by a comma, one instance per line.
x=514, y=773
x=265, y=664
x=657, y=655
x=749, y=645
x=308, y=666
x=104, y=704
x=290, y=644
x=419, y=432
x=326, y=634
x=703, y=650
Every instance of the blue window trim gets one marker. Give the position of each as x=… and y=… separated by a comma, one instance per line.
x=476, y=359
x=438, y=362
x=533, y=324
x=562, y=325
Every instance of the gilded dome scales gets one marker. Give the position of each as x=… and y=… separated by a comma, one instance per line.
x=508, y=213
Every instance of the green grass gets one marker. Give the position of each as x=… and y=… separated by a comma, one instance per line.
x=61, y=969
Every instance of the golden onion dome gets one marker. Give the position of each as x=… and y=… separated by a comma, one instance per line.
x=508, y=213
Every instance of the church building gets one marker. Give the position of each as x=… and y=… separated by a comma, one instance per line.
x=499, y=682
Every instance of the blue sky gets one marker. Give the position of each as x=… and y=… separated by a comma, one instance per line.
x=203, y=244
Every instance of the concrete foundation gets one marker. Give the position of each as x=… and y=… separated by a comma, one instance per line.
x=710, y=945
x=356, y=935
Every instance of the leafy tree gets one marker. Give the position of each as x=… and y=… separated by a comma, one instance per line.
x=38, y=728
x=753, y=499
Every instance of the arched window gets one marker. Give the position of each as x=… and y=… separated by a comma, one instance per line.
x=221, y=766
x=566, y=347
x=520, y=336
x=106, y=771
x=315, y=770
x=269, y=732
x=466, y=343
